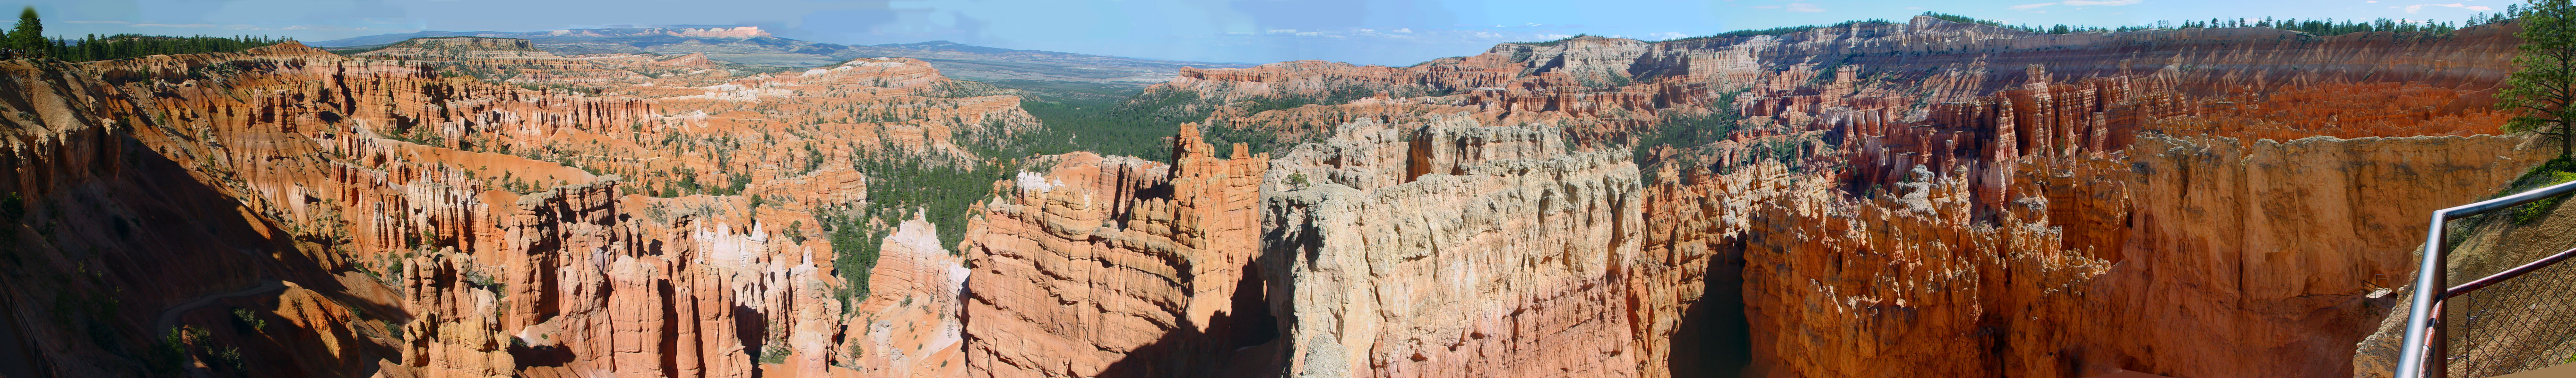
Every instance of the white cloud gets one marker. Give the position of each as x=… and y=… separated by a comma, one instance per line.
x=1404, y=30
x=2030, y=6
x=2418, y=7
x=173, y=25
x=1667, y=35
x=1804, y=8
x=2107, y=3
x=2479, y=8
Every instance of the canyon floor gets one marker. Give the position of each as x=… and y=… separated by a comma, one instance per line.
x=1868, y=199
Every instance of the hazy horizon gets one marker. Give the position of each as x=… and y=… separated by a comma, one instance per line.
x=1393, y=33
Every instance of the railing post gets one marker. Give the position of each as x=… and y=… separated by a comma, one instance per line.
x=2428, y=293
x=2441, y=353
x=2439, y=365
x=2426, y=350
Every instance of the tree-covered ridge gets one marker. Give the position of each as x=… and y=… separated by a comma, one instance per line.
x=2318, y=27
x=121, y=46
x=2324, y=27
x=1786, y=29
x=27, y=38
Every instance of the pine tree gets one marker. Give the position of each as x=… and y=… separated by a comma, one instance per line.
x=29, y=36
x=2544, y=81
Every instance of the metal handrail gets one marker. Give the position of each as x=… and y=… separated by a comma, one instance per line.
x=2424, y=326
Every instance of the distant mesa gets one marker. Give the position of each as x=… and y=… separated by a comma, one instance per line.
x=510, y=50
x=469, y=43
x=683, y=32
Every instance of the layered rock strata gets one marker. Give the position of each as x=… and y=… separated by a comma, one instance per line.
x=1116, y=266
x=552, y=217
x=2047, y=201
x=912, y=329
x=1927, y=198
x=1452, y=249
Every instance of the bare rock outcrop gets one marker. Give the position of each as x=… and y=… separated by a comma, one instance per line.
x=1116, y=266
x=1505, y=259
x=1875, y=185
x=913, y=328
x=1867, y=199
x=591, y=215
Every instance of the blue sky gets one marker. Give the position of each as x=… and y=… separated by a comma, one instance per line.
x=1393, y=32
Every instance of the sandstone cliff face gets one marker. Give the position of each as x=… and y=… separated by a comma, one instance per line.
x=122, y=265
x=2170, y=261
x=2249, y=82
x=1928, y=198
x=555, y=219
x=1114, y=266
x=1505, y=259
x=913, y=329
x=2061, y=205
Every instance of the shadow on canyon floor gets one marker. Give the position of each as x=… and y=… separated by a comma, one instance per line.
x=1242, y=342
x=1714, y=339
x=147, y=235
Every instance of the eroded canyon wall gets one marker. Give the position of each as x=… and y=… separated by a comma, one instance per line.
x=470, y=207
x=1872, y=199
x=1117, y=266
x=1451, y=249
x=1954, y=199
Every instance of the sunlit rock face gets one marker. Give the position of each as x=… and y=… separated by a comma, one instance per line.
x=1924, y=198
x=1116, y=266
x=1453, y=249
x=1953, y=199
x=528, y=221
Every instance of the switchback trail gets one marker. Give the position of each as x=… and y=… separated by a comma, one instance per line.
x=171, y=316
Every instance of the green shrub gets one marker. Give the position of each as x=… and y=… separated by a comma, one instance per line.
x=774, y=353
x=171, y=356
x=2555, y=171
x=13, y=207
x=250, y=319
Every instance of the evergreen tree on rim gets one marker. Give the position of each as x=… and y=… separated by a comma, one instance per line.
x=2543, y=83
x=29, y=36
